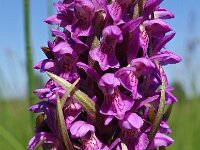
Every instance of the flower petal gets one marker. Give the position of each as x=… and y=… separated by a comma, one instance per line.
x=131, y=25
x=158, y=44
x=45, y=65
x=80, y=129
x=105, y=53
x=89, y=71
x=47, y=137
x=157, y=27
x=108, y=83
x=163, y=13
x=161, y=140
x=150, y=6
x=131, y=120
x=117, y=10
x=166, y=57
x=128, y=79
x=116, y=104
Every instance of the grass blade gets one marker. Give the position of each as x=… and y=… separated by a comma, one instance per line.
x=159, y=114
x=10, y=139
x=63, y=130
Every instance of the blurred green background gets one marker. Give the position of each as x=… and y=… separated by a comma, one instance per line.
x=15, y=124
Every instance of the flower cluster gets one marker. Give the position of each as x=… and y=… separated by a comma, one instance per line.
x=116, y=49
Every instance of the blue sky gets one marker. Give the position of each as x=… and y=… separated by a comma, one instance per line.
x=12, y=47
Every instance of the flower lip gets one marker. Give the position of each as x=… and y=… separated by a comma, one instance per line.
x=114, y=32
x=108, y=83
x=131, y=121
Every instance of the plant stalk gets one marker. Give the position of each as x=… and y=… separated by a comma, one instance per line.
x=29, y=61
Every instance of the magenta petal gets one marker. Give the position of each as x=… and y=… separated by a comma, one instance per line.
x=64, y=48
x=113, y=32
x=49, y=139
x=157, y=27
x=134, y=139
x=115, y=143
x=117, y=10
x=93, y=143
x=48, y=109
x=133, y=45
x=143, y=142
x=170, y=98
x=145, y=101
x=158, y=44
x=150, y=6
x=131, y=120
x=59, y=34
x=84, y=6
x=83, y=26
x=99, y=4
x=144, y=66
x=45, y=65
x=105, y=53
x=71, y=112
x=166, y=57
x=161, y=140
x=63, y=6
x=80, y=129
x=164, y=127
x=89, y=71
x=105, y=60
x=60, y=19
x=43, y=90
x=108, y=83
x=131, y=25
x=116, y=104
x=108, y=119
x=128, y=79
x=163, y=13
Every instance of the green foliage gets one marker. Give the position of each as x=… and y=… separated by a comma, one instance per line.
x=15, y=121
x=185, y=123
x=159, y=115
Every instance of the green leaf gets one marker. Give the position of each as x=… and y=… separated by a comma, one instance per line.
x=39, y=121
x=67, y=145
x=71, y=88
x=168, y=111
x=159, y=114
x=86, y=102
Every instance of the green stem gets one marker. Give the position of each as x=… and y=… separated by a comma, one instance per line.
x=159, y=114
x=139, y=7
x=67, y=145
x=29, y=63
x=141, y=4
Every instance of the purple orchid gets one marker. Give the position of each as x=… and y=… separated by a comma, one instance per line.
x=117, y=51
x=86, y=132
x=105, y=53
x=118, y=10
x=50, y=141
x=115, y=103
x=131, y=134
